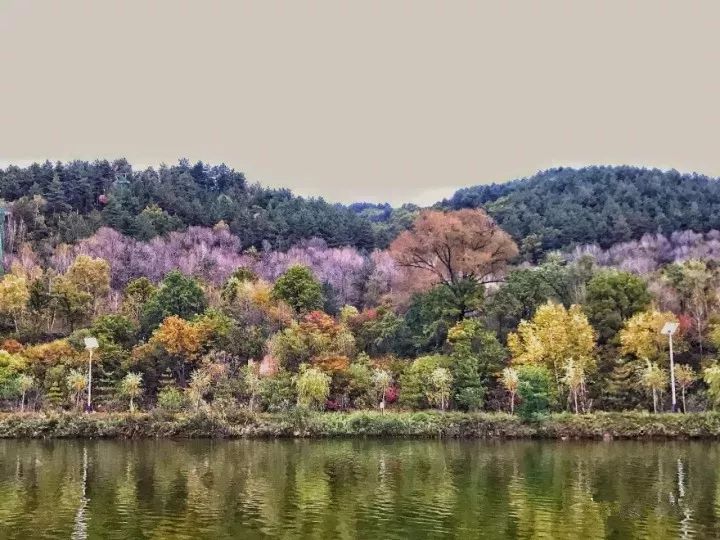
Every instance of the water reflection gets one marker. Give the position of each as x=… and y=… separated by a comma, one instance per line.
x=350, y=489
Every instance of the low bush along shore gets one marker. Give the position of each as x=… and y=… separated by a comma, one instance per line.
x=627, y=425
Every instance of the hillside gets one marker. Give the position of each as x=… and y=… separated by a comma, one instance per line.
x=77, y=198
x=563, y=207
x=554, y=209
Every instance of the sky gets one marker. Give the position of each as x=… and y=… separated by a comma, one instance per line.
x=398, y=101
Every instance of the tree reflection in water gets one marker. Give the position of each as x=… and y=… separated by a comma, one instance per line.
x=351, y=488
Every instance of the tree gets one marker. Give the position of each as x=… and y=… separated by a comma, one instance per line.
x=456, y=249
x=641, y=337
x=711, y=376
x=574, y=379
x=534, y=389
x=14, y=296
x=315, y=337
x=177, y=295
x=415, y=380
x=131, y=387
x=655, y=379
x=181, y=340
x=510, y=381
x=77, y=384
x=313, y=388
x=697, y=286
x=613, y=297
x=429, y=318
x=299, y=288
x=440, y=384
x=554, y=337
x=90, y=275
x=73, y=303
x=135, y=295
x=381, y=381
x=685, y=377
x=252, y=384
x=198, y=387
x=476, y=355
x=26, y=383
x=525, y=290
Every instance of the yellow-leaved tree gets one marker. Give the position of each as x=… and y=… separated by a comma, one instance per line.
x=641, y=337
x=177, y=343
x=14, y=296
x=554, y=338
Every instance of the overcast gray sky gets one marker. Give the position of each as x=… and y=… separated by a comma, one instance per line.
x=367, y=100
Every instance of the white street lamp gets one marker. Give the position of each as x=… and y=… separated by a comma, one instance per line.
x=91, y=344
x=668, y=330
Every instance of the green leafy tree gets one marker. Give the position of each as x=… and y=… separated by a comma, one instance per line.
x=429, y=318
x=613, y=297
x=534, y=390
x=278, y=392
x=415, y=380
x=299, y=288
x=524, y=291
x=178, y=295
x=313, y=388
x=476, y=355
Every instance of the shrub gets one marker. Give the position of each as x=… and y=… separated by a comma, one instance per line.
x=277, y=393
x=171, y=399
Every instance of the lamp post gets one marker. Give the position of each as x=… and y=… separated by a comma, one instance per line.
x=91, y=344
x=668, y=330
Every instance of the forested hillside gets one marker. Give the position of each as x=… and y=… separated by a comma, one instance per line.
x=65, y=202
x=555, y=209
x=356, y=307
x=563, y=207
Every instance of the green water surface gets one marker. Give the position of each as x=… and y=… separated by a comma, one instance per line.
x=358, y=489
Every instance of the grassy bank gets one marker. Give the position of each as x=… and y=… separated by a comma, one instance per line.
x=630, y=425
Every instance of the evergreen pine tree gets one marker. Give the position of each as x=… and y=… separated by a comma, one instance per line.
x=55, y=396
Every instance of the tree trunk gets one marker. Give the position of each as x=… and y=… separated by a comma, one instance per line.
x=683, y=399
x=512, y=402
x=654, y=401
x=576, y=401
x=132, y=405
x=22, y=402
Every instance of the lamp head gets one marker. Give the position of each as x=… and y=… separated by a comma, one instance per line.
x=669, y=329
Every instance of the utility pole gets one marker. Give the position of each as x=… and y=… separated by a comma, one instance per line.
x=669, y=329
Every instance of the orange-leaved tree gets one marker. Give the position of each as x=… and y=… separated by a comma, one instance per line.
x=459, y=249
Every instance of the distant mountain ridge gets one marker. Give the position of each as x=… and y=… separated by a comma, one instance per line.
x=554, y=209
x=604, y=205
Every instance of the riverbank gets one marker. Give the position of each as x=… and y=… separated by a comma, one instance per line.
x=427, y=424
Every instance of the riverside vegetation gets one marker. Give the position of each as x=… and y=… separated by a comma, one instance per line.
x=222, y=309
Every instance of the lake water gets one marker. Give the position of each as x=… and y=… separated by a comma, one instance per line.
x=358, y=489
